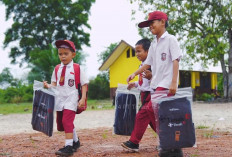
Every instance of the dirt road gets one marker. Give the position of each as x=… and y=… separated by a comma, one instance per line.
x=214, y=115
x=95, y=132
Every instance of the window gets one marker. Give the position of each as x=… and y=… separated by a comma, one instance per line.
x=133, y=52
x=205, y=81
x=185, y=79
x=128, y=53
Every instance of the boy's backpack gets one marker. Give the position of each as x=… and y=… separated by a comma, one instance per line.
x=77, y=83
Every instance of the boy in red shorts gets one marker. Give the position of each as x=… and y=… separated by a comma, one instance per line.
x=67, y=101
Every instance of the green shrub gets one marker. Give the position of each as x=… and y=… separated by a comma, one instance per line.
x=27, y=97
x=99, y=87
x=220, y=85
x=2, y=93
x=205, y=97
x=16, y=99
x=21, y=93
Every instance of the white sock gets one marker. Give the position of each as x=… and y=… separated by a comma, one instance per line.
x=75, y=137
x=69, y=142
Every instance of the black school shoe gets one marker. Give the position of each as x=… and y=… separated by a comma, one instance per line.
x=66, y=151
x=130, y=146
x=171, y=153
x=76, y=145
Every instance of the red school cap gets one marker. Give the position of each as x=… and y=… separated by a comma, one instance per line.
x=68, y=43
x=156, y=15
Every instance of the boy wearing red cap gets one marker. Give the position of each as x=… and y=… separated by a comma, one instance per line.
x=164, y=56
x=66, y=102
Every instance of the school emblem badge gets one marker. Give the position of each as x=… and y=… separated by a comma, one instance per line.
x=163, y=56
x=70, y=82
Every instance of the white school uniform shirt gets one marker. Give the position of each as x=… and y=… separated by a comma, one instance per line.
x=146, y=84
x=161, y=55
x=67, y=95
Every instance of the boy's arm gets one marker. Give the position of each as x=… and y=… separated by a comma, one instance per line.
x=46, y=85
x=173, y=86
x=137, y=72
x=132, y=85
x=83, y=97
x=53, y=81
x=147, y=74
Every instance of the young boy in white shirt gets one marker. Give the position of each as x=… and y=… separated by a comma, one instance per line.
x=67, y=104
x=143, y=118
x=164, y=56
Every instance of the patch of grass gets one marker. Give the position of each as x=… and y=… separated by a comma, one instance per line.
x=32, y=140
x=202, y=127
x=99, y=104
x=21, y=108
x=153, y=132
x=4, y=154
x=210, y=133
x=1, y=140
x=104, y=135
x=193, y=155
x=14, y=108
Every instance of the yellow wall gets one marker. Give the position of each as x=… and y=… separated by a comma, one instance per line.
x=122, y=68
x=195, y=79
x=213, y=80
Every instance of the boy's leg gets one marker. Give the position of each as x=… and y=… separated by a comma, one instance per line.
x=141, y=122
x=146, y=99
x=76, y=141
x=142, y=119
x=75, y=137
x=67, y=121
x=59, y=117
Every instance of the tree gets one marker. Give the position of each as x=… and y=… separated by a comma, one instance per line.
x=104, y=54
x=7, y=79
x=6, y=76
x=38, y=24
x=205, y=29
x=99, y=87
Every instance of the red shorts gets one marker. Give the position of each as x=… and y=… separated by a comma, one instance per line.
x=64, y=120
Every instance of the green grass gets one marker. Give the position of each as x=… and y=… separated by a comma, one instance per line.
x=11, y=108
x=202, y=127
x=104, y=135
x=99, y=104
x=209, y=134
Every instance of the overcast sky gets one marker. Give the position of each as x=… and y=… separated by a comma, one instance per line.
x=110, y=21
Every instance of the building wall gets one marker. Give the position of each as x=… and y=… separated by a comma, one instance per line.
x=201, y=82
x=123, y=67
